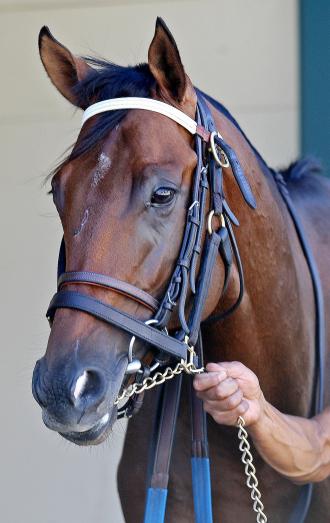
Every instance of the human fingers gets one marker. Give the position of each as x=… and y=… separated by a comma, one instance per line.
x=207, y=380
x=245, y=377
x=219, y=391
x=227, y=404
x=235, y=369
x=227, y=417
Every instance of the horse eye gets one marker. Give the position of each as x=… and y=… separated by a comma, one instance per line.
x=162, y=196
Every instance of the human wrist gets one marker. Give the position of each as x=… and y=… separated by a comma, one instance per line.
x=257, y=426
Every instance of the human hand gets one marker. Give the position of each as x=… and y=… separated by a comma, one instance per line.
x=230, y=390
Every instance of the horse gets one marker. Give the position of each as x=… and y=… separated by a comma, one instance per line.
x=122, y=196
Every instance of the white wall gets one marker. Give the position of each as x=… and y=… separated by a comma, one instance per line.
x=243, y=52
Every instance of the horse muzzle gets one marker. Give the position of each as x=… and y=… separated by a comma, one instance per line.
x=77, y=400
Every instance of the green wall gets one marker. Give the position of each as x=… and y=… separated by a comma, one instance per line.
x=315, y=79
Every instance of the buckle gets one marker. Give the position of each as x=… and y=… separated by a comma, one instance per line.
x=221, y=160
x=209, y=221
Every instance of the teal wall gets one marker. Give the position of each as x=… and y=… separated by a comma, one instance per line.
x=315, y=79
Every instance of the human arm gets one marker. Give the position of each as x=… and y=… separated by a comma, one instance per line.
x=298, y=448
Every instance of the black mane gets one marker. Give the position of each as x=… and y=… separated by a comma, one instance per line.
x=298, y=170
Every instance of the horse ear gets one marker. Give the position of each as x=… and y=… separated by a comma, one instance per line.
x=166, y=66
x=64, y=69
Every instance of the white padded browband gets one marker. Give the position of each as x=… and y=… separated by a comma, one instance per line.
x=147, y=104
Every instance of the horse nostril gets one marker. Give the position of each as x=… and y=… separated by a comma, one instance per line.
x=89, y=384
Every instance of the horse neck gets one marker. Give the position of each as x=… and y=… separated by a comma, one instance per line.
x=272, y=332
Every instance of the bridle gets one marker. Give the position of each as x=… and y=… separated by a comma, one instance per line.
x=182, y=351
x=212, y=154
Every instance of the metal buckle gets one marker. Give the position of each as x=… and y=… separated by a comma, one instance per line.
x=191, y=351
x=209, y=221
x=214, y=147
x=196, y=202
x=170, y=299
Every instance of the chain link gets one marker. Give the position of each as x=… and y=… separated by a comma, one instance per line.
x=250, y=471
x=158, y=378
x=247, y=459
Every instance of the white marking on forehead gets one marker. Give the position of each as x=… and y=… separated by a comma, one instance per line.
x=82, y=223
x=80, y=385
x=102, y=167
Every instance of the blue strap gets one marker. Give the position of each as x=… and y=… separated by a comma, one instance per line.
x=201, y=482
x=155, y=505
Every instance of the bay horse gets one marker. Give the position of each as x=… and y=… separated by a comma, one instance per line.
x=122, y=196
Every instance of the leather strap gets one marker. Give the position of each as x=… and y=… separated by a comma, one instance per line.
x=147, y=104
x=107, y=313
x=161, y=451
x=238, y=173
x=211, y=249
x=122, y=287
x=164, y=430
x=320, y=342
x=199, y=447
x=301, y=509
x=222, y=315
x=200, y=463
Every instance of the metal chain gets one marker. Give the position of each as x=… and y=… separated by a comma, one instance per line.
x=250, y=471
x=247, y=459
x=158, y=378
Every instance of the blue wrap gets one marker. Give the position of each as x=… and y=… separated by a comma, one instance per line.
x=202, y=490
x=155, y=505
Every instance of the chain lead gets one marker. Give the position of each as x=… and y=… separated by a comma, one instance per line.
x=189, y=368
x=250, y=471
x=160, y=377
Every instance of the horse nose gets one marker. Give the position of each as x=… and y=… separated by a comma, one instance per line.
x=81, y=386
x=88, y=388
x=38, y=391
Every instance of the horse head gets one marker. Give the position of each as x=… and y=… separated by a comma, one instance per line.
x=122, y=197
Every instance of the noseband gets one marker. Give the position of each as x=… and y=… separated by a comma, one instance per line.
x=212, y=155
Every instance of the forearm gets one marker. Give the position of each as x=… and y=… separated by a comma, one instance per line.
x=296, y=447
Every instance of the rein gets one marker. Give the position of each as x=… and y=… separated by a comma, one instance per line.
x=182, y=351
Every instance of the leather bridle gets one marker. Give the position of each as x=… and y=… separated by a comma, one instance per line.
x=212, y=154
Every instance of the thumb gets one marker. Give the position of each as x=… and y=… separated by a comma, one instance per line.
x=215, y=367
x=234, y=369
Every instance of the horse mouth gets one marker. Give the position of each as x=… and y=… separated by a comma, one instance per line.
x=94, y=436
